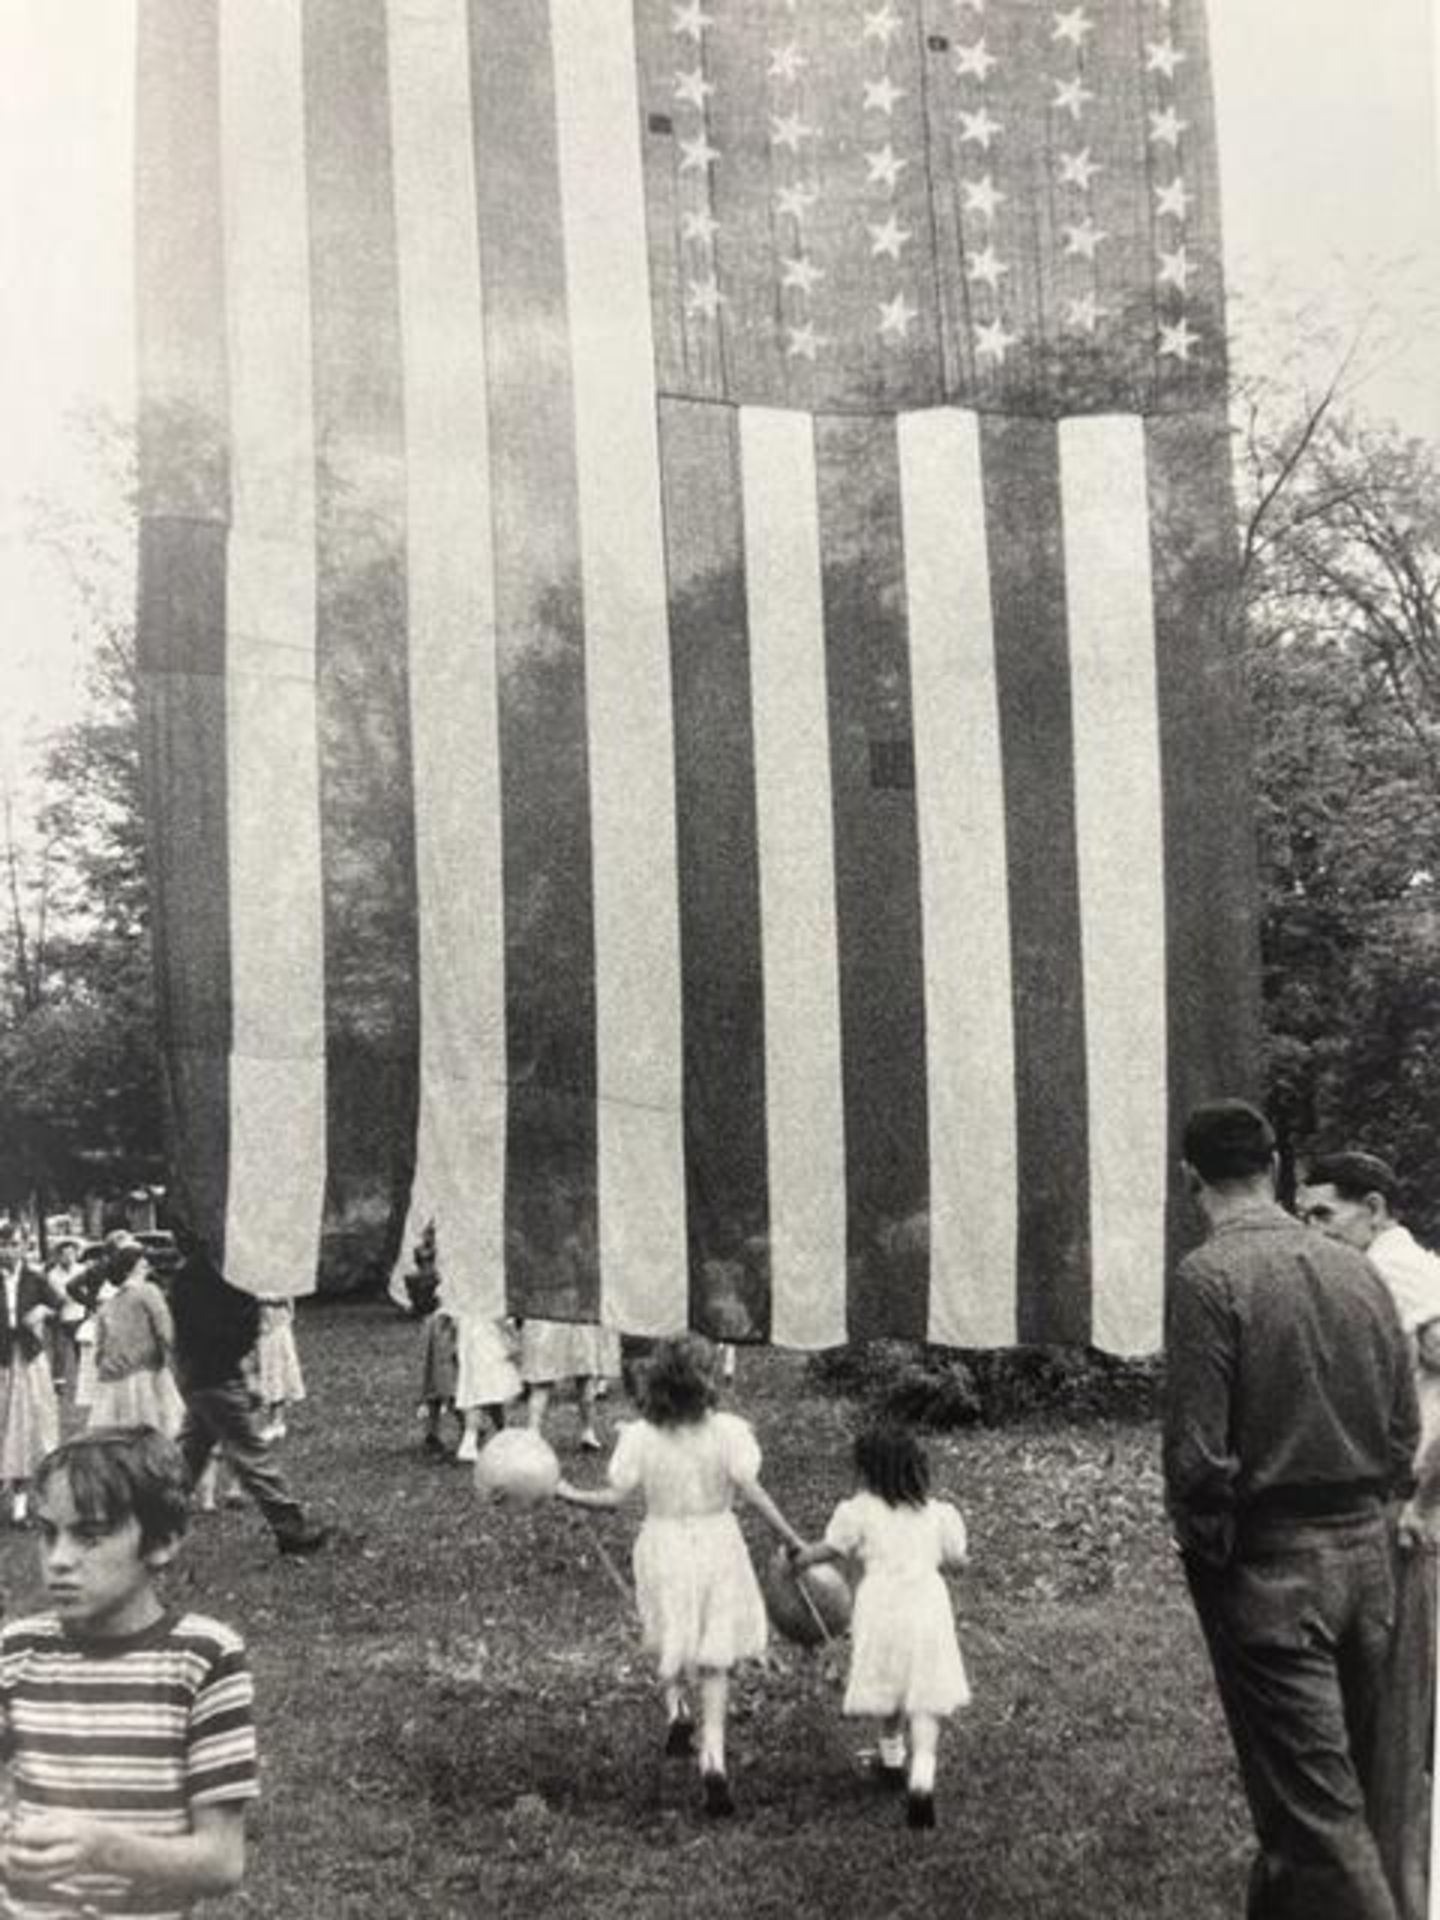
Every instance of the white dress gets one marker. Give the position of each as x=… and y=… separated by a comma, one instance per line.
x=278, y=1379
x=904, y=1656
x=485, y=1375
x=552, y=1350
x=700, y=1603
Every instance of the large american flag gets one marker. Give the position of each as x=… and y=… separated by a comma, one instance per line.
x=691, y=722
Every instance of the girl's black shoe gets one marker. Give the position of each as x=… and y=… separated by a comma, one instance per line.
x=718, y=1803
x=680, y=1738
x=919, y=1810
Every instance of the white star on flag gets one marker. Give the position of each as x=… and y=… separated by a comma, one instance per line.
x=1177, y=340
x=978, y=5
x=992, y=342
x=692, y=19
x=1084, y=313
x=1176, y=269
x=795, y=200
x=895, y=317
x=888, y=238
x=1167, y=127
x=1070, y=97
x=978, y=127
x=1073, y=26
x=801, y=273
x=704, y=296
x=882, y=25
x=982, y=196
x=786, y=62
x=1082, y=240
x=697, y=154
x=1173, y=199
x=788, y=130
x=881, y=95
x=987, y=267
x=1078, y=169
x=885, y=167
x=702, y=226
x=803, y=342
x=975, y=59
x=693, y=87
x=1163, y=57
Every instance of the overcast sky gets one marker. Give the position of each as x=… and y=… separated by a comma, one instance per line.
x=1330, y=164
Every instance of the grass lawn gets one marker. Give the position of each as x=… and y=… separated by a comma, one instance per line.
x=457, y=1720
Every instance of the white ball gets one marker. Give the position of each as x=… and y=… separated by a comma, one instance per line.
x=519, y=1464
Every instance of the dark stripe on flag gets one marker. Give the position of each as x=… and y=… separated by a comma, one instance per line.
x=366, y=814
x=722, y=984
x=877, y=876
x=184, y=503
x=1027, y=566
x=1210, y=879
x=550, y=1194
x=182, y=712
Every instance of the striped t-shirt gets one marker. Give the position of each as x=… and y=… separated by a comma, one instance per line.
x=137, y=1731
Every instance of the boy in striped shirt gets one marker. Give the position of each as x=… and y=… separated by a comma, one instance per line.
x=128, y=1731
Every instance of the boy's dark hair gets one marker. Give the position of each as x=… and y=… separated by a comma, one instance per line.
x=1228, y=1140
x=1353, y=1175
x=891, y=1463
x=116, y=1472
x=121, y=1262
x=678, y=1385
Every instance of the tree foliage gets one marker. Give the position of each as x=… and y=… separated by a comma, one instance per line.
x=1341, y=591
x=79, y=1080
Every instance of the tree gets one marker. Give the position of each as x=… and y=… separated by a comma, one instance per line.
x=79, y=1077
x=1341, y=599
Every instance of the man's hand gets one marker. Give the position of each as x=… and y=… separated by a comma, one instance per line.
x=1419, y=1527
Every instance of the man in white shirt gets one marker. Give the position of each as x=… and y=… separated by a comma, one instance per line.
x=1352, y=1196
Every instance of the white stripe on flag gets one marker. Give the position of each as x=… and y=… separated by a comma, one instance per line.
x=641, y=1166
x=460, y=1147
x=276, y=1179
x=964, y=893
x=800, y=956
x=1119, y=830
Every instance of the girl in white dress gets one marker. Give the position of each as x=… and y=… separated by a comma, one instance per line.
x=905, y=1664
x=700, y=1604
x=485, y=1377
x=278, y=1379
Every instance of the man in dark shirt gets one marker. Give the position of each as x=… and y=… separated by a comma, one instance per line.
x=1290, y=1424
x=216, y=1327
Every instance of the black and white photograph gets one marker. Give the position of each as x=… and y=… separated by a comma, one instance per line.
x=719, y=959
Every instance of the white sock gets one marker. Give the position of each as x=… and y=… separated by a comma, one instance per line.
x=922, y=1773
x=892, y=1749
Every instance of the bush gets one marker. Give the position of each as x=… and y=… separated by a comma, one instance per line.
x=945, y=1387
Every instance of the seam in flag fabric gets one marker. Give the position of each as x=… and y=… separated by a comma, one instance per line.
x=691, y=722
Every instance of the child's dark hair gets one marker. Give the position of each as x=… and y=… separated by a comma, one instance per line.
x=891, y=1463
x=114, y=1473
x=678, y=1385
x=121, y=1262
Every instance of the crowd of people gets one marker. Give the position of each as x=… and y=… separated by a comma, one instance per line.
x=1301, y=1452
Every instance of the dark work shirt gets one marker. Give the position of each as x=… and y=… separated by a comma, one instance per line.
x=1286, y=1377
x=216, y=1324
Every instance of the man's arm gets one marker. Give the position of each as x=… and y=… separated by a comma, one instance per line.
x=1420, y=1520
x=46, y=1847
x=1200, y=1466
